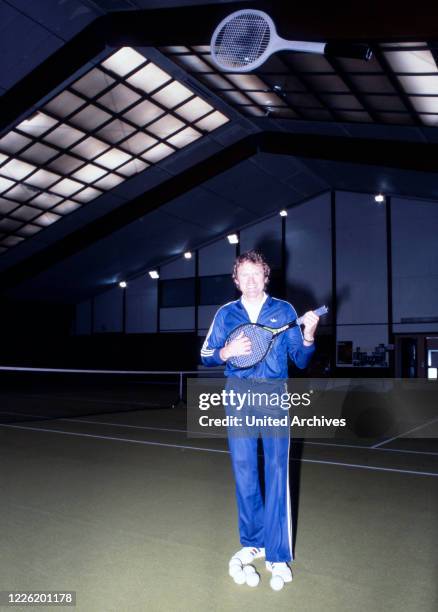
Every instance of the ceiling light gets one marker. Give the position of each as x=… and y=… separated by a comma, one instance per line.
x=233, y=239
x=283, y=213
x=123, y=284
x=187, y=255
x=154, y=274
x=379, y=198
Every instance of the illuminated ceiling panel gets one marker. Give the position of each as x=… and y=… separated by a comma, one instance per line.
x=113, y=122
x=398, y=86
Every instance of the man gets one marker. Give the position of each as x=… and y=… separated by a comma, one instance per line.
x=265, y=527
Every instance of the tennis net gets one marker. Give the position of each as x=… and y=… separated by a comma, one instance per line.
x=46, y=393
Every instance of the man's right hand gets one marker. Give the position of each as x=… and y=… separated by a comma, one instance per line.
x=239, y=346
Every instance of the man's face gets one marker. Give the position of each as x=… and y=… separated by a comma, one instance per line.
x=251, y=279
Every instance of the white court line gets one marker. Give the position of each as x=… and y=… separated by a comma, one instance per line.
x=216, y=450
x=404, y=433
x=199, y=433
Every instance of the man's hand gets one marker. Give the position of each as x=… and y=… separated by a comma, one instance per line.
x=310, y=322
x=239, y=346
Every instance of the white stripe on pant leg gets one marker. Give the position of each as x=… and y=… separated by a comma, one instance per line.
x=289, y=514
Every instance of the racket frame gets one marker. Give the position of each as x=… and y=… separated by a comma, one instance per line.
x=275, y=331
x=276, y=43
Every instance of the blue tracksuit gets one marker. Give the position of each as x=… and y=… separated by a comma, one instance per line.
x=261, y=524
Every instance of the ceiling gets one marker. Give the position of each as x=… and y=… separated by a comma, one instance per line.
x=122, y=145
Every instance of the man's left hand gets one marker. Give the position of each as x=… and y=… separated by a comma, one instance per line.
x=310, y=322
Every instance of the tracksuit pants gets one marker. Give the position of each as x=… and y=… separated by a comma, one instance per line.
x=265, y=523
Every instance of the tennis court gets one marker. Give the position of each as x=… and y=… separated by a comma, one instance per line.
x=115, y=501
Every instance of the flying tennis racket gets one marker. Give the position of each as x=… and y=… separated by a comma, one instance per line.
x=245, y=39
x=261, y=337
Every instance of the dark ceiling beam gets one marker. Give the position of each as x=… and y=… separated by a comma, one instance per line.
x=191, y=25
x=419, y=157
x=393, y=154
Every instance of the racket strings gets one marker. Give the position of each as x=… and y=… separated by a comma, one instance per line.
x=242, y=40
x=260, y=341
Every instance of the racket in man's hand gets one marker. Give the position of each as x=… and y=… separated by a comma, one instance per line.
x=261, y=337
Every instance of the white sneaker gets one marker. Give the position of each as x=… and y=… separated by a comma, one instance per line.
x=280, y=569
x=247, y=554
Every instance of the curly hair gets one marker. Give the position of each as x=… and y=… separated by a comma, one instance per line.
x=252, y=257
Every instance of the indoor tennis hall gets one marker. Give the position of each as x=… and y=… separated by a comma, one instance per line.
x=199, y=199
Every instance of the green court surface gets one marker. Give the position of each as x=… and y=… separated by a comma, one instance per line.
x=132, y=514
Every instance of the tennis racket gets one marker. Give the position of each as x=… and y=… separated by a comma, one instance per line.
x=261, y=337
x=245, y=39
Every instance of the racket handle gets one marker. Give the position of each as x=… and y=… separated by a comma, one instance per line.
x=322, y=310
x=357, y=51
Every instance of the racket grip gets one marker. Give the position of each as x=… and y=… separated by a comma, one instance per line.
x=354, y=51
x=322, y=310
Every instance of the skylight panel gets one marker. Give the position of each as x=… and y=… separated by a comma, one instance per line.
x=430, y=120
x=165, y=126
x=193, y=110
x=45, y=200
x=237, y=97
x=90, y=118
x=9, y=225
x=28, y=230
x=21, y=193
x=65, y=164
x=144, y=113
x=5, y=184
x=47, y=219
x=93, y=83
x=66, y=207
x=425, y=104
x=39, y=153
x=149, y=78
x=218, y=82
x=419, y=84
x=64, y=104
x=254, y=111
x=138, y=143
x=90, y=147
x=13, y=142
x=113, y=158
x=25, y=213
x=43, y=179
x=67, y=187
x=109, y=181
x=265, y=98
x=132, y=167
x=37, y=124
x=6, y=206
x=16, y=169
x=124, y=61
x=11, y=241
x=89, y=173
x=157, y=153
x=184, y=137
x=411, y=61
x=88, y=194
x=247, y=82
x=195, y=64
x=172, y=94
x=115, y=131
x=64, y=136
x=118, y=98
x=3, y=158
x=213, y=121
